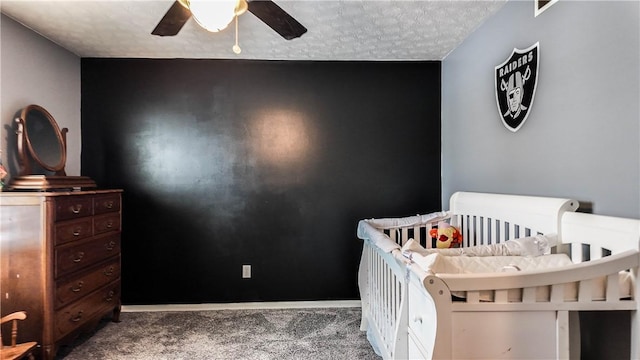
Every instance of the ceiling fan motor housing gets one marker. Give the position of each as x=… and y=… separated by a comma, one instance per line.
x=265, y=10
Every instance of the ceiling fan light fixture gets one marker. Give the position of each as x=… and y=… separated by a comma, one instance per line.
x=216, y=15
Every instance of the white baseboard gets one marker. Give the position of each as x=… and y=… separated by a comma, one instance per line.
x=244, y=306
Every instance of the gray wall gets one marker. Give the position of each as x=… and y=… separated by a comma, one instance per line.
x=581, y=139
x=35, y=70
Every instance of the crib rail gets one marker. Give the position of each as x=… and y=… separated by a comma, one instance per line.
x=591, y=237
x=534, y=212
x=481, y=230
x=385, y=300
x=534, y=289
x=483, y=219
x=475, y=230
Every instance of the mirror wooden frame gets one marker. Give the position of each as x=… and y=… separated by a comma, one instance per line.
x=26, y=149
x=27, y=155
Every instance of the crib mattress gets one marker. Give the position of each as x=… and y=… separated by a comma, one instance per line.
x=440, y=264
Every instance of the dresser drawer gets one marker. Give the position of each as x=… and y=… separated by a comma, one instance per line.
x=77, y=255
x=75, y=288
x=422, y=320
x=79, y=313
x=107, y=203
x=106, y=223
x=73, y=207
x=73, y=230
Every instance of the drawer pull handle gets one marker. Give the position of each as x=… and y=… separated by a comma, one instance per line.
x=109, y=204
x=108, y=271
x=78, y=287
x=77, y=317
x=109, y=224
x=77, y=231
x=76, y=208
x=78, y=257
x=418, y=319
x=109, y=296
x=110, y=245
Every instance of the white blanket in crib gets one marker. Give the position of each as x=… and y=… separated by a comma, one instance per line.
x=439, y=264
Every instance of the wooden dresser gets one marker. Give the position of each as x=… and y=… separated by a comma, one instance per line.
x=60, y=262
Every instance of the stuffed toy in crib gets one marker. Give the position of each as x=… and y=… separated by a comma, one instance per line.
x=446, y=236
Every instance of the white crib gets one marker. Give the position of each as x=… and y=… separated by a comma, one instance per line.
x=409, y=312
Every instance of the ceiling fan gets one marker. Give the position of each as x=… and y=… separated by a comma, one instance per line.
x=266, y=10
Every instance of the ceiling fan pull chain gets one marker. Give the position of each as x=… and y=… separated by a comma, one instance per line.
x=236, y=47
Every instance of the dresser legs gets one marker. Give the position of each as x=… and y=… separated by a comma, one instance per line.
x=116, y=313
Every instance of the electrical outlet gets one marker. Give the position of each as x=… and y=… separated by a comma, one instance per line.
x=246, y=271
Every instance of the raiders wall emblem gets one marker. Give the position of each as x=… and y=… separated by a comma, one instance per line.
x=516, y=81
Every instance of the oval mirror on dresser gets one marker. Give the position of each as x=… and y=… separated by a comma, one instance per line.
x=44, y=141
x=42, y=154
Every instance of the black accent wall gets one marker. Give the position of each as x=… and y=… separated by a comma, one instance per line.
x=267, y=163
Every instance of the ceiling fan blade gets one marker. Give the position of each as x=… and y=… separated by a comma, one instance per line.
x=173, y=20
x=277, y=19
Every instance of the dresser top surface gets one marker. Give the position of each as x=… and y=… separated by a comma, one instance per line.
x=17, y=197
x=58, y=193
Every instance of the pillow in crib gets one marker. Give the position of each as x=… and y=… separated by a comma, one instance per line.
x=446, y=235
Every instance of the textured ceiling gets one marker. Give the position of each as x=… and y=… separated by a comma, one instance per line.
x=337, y=30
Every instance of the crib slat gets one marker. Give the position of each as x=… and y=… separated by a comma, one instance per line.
x=384, y=302
x=380, y=298
x=576, y=253
x=485, y=230
x=473, y=297
x=613, y=291
x=557, y=293
x=464, y=228
x=501, y=296
x=512, y=231
x=472, y=231
x=391, y=320
x=529, y=295
x=495, y=226
x=416, y=234
x=392, y=301
x=503, y=231
x=405, y=235
x=376, y=287
x=373, y=290
x=386, y=292
x=378, y=277
x=595, y=252
x=584, y=291
x=477, y=229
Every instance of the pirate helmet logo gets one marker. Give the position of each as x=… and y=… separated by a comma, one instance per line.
x=516, y=81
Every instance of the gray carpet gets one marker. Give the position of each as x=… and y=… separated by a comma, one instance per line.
x=307, y=334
